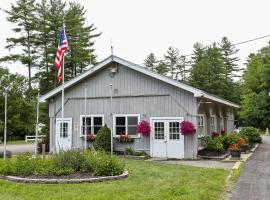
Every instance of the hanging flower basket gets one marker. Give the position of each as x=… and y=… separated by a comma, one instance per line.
x=124, y=138
x=187, y=128
x=143, y=127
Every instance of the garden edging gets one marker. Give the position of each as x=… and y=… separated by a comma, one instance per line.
x=61, y=181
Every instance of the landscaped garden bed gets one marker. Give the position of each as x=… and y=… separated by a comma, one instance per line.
x=71, y=166
x=219, y=146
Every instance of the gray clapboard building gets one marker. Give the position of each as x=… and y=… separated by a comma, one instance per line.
x=120, y=94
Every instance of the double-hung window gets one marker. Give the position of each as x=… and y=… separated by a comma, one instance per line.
x=213, y=124
x=200, y=125
x=92, y=124
x=126, y=124
x=221, y=123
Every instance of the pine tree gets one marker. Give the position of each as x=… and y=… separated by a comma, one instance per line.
x=207, y=71
x=171, y=59
x=181, y=69
x=80, y=38
x=151, y=61
x=229, y=51
x=23, y=16
x=162, y=68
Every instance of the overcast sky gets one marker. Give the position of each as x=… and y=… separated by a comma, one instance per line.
x=139, y=27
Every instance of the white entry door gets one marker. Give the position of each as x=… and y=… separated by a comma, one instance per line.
x=166, y=140
x=63, y=134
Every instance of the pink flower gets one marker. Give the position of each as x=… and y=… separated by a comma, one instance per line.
x=143, y=127
x=187, y=128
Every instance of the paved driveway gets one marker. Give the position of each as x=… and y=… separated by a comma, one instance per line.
x=19, y=148
x=254, y=181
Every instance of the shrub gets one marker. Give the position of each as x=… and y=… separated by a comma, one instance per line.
x=230, y=139
x=64, y=163
x=214, y=144
x=107, y=165
x=68, y=160
x=252, y=134
x=103, y=139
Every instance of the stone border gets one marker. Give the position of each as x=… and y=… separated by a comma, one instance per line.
x=64, y=181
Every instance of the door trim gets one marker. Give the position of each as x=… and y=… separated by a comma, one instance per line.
x=151, y=134
x=56, y=126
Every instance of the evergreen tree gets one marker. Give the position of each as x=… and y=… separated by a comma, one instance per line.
x=207, y=71
x=181, y=69
x=229, y=52
x=151, y=61
x=80, y=38
x=162, y=68
x=171, y=59
x=23, y=16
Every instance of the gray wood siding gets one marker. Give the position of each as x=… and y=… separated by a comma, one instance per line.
x=133, y=93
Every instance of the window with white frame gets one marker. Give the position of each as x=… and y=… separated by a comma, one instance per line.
x=63, y=129
x=126, y=124
x=200, y=125
x=212, y=124
x=221, y=123
x=92, y=124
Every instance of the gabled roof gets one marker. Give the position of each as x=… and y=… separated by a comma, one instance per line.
x=196, y=92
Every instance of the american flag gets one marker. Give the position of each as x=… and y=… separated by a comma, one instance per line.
x=62, y=48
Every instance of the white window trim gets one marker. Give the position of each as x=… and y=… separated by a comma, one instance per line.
x=125, y=115
x=215, y=122
x=204, y=131
x=81, y=122
x=201, y=115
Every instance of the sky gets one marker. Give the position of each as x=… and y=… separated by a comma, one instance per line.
x=137, y=28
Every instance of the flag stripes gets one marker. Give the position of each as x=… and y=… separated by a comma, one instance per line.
x=60, y=53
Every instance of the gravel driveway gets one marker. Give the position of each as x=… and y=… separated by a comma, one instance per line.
x=254, y=181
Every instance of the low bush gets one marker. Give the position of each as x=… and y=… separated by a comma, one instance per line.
x=214, y=144
x=230, y=139
x=103, y=139
x=252, y=134
x=64, y=163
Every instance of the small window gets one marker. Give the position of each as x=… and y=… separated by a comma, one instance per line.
x=200, y=120
x=63, y=129
x=174, y=131
x=159, y=130
x=93, y=124
x=126, y=125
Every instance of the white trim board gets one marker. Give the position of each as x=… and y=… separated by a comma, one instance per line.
x=196, y=92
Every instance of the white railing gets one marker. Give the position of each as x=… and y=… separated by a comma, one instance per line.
x=33, y=137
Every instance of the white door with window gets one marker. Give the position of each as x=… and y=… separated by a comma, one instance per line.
x=63, y=134
x=166, y=140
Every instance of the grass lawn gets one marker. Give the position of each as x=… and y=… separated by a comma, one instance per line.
x=147, y=180
x=17, y=142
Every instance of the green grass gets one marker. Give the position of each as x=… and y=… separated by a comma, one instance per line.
x=147, y=180
x=18, y=142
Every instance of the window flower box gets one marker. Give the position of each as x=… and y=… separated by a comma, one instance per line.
x=89, y=137
x=124, y=138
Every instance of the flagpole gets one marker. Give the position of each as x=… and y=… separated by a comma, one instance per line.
x=63, y=83
x=36, y=139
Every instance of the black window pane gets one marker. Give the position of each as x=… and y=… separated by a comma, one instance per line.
x=121, y=121
x=88, y=121
x=96, y=129
x=132, y=120
x=97, y=121
x=120, y=130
